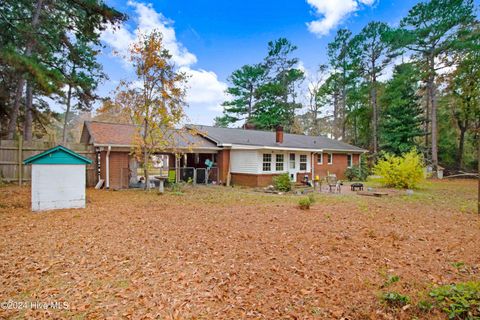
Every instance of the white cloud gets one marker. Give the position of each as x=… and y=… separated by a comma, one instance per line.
x=332, y=13
x=147, y=20
x=205, y=89
x=206, y=92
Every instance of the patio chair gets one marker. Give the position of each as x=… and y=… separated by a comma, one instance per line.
x=333, y=183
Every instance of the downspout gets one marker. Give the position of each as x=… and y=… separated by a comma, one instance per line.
x=312, y=166
x=97, y=155
x=107, y=164
x=229, y=175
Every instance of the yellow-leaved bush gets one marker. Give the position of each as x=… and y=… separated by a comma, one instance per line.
x=405, y=171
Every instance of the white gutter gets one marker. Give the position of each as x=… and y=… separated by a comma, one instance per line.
x=107, y=164
x=345, y=151
x=166, y=150
x=112, y=145
x=248, y=147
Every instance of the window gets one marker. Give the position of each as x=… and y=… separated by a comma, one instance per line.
x=267, y=162
x=303, y=162
x=330, y=158
x=292, y=160
x=279, y=162
x=320, y=158
x=349, y=160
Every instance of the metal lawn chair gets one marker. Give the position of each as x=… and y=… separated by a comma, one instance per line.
x=333, y=183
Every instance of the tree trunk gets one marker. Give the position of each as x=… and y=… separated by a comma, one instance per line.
x=69, y=101
x=335, y=115
x=12, y=125
x=355, y=133
x=433, y=104
x=21, y=82
x=145, y=168
x=344, y=107
x=145, y=157
x=461, y=144
x=375, y=117
x=250, y=104
x=427, y=120
x=27, y=129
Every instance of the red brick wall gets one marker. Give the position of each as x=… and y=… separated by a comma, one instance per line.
x=119, y=172
x=223, y=163
x=252, y=180
x=338, y=166
x=301, y=176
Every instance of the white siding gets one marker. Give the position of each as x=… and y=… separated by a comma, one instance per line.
x=245, y=161
x=58, y=186
x=251, y=161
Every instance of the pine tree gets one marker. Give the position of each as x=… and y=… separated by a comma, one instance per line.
x=244, y=84
x=373, y=54
x=430, y=31
x=402, y=117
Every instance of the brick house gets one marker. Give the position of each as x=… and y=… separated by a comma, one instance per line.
x=240, y=157
x=254, y=157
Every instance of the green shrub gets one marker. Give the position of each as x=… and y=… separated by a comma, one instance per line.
x=351, y=173
x=311, y=197
x=304, y=203
x=459, y=301
x=282, y=182
x=406, y=171
x=395, y=299
x=358, y=172
x=177, y=187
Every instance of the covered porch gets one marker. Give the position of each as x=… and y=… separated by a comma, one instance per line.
x=190, y=167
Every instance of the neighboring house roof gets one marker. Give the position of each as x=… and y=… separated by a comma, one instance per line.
x=57, y=155
x=122, y=135
x=267, y=139
x=105, y=133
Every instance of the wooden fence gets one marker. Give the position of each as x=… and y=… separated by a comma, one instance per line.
x=13, y=152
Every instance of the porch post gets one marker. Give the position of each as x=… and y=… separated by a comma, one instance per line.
x=194, y=176
x=177, y=170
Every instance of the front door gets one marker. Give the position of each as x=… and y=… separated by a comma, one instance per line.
x=292, y=166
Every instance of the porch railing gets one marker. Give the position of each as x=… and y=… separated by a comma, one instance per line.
x=185, y=174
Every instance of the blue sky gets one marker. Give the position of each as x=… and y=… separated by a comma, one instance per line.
x=211, y=38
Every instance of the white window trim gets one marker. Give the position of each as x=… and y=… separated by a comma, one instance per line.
x=294, y=161
x=349, y=165
x=321, y=158
x=331, y=158
x=300, y=163
x=263, y=162
x=283, y=162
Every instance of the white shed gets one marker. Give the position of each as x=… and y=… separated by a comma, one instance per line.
x=58, y=179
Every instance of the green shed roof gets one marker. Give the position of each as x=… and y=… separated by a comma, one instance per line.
x=57, y=155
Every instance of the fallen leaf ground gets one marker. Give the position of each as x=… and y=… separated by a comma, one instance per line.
x=231, y=253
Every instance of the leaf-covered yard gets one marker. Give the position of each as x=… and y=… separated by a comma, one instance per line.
x=216, y=253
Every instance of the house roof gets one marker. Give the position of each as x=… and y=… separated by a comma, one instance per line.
x=57, y=155
x=115, y=134
x=267, y=139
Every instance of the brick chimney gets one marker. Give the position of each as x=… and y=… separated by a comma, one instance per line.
x=279, y=134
